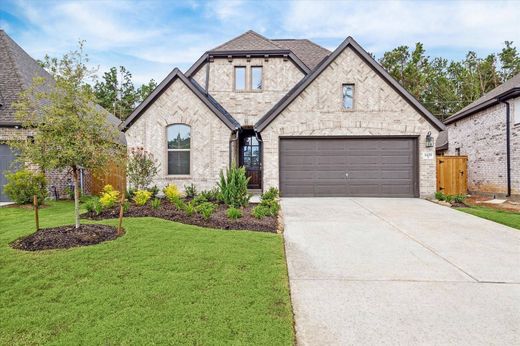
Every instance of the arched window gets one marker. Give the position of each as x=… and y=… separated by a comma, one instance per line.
x=179, y=138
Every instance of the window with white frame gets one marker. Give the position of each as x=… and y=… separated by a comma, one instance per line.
x=179, y=144
x=348, y=96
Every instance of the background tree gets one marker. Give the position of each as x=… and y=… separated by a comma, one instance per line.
x=116, y=92
x=444, y=86
x=72, y=131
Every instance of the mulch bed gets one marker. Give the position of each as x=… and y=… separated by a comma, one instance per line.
x=218, y=220
x=65, y=237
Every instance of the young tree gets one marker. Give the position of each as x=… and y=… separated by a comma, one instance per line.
x=142, y=167
x=72, y=130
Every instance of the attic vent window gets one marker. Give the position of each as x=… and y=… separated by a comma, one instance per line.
x=348, y=96
x=240, y=77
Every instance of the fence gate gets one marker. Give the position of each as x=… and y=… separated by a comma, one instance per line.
x=452, y=174
x=113, y=174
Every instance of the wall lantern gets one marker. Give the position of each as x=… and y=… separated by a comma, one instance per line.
x=429, y=140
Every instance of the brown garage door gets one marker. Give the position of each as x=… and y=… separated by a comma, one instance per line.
x=358, y=167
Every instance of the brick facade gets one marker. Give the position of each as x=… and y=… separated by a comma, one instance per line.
x=209, y=136
x=378, y=110
x=482, y=137
x=57, y=180
x=279, y=76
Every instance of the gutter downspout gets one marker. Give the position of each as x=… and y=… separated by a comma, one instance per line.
x=508, y=146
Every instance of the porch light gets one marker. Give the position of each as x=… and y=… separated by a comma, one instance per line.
x=429, y=140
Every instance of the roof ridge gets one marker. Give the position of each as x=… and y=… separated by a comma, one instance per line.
x=242, y=35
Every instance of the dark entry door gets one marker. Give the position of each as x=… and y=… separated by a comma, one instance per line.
x=6, y=159
x=357, y=167
x=250, y=159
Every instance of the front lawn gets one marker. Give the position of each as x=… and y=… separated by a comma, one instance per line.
x=507, y=218
x=161, y=283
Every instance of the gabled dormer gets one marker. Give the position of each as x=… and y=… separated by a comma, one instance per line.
x=250, y=73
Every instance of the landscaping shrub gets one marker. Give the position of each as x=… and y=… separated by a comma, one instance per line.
x=190, y=191
x=199, y=199
x=459, y=198
x=233, y=187
x=93, y=205
x=141, y=168
x=109, y=197
x=126, y=206
x=189, y=208
x=211, y=195
x=233, y=213
x=141, y=197
x=206, y=209
x=448, y=198
x=272, y=205
x=178, y=203
x=23, y=185
x=129, y=194
x=156, y=203
x=270, y=194
x=260, y=211
x=85, y=198
x=154, y=190
x=440, y=196
x=171, y=192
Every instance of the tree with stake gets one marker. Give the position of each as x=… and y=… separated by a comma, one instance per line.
x=72, y=131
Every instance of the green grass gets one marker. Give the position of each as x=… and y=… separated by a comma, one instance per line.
x=161, y=283
x=507, y=218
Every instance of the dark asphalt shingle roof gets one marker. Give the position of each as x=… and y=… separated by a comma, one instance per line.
x=484, y=101
x=17, y=70
x=310, y=53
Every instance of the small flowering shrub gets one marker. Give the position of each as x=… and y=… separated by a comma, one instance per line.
x=206, y=209
x=109, y=197
x=141, y=197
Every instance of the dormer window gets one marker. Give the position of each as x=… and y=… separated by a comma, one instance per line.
x=256, y=78
x=348, y=96
x=240, y=78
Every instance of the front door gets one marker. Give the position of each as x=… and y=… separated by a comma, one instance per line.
x=250, y=159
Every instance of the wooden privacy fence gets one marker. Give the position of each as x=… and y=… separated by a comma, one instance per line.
x=452, y=174
x=113, y=174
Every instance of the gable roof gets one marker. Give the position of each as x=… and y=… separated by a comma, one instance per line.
x=248, y=41
x=17, y=70
x=306, y=81
x=208, y=100
x=304, y=53
x=309, y=52
x=509, y=89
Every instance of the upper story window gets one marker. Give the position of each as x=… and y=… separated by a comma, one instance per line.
x=256, y=78
x=240, y=78
x=179, y=144
x=348, y=96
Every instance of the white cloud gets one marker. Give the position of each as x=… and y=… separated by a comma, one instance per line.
x=383, y=25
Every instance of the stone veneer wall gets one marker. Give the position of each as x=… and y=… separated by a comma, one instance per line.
x=57, y=178
x=482, y=137
x=279, y=76
x=209, y=136
x=378, y=110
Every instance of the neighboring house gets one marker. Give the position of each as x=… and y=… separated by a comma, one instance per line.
x=297, y=116
x=488, y=132
x=17, y=70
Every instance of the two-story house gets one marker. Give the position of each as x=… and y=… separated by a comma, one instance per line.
x=298, y=117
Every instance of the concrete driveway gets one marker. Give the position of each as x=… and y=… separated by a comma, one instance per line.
x=400, y=271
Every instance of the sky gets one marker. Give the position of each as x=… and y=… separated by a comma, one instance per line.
x=150, y=38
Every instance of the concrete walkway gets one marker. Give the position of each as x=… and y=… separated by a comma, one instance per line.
x=400, y=271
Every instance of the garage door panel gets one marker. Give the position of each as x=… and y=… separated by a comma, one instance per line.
x=375, y=167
